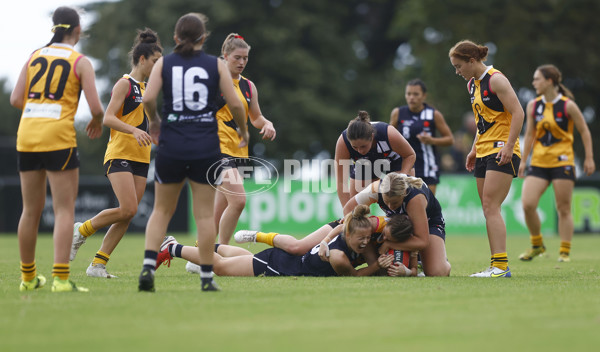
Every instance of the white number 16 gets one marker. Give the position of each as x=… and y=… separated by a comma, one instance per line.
x=187, y=91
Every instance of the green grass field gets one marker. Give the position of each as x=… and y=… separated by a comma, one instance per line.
x=545, y=306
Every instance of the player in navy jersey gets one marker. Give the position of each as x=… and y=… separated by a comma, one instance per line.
x=351, y=245
x=418, y=122
x=402, y=194
x=365, y=152
x=188, y=141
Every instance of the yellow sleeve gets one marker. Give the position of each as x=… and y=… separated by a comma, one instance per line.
x=381, y=222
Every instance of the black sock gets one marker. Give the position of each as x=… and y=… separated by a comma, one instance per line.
x=206, y=274
x=150, y=259
x=175, y=250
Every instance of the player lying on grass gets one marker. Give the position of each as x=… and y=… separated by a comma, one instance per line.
x=395, y=230
x=402, y=194
x=350, y=247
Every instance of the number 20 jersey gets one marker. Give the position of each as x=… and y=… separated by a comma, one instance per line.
x=189, y=129
x=52, y=93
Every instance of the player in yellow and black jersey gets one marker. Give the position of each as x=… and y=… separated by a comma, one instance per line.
x=48, y=91
x=231, y=199
x=549, y=136
x=495, y=155
x=127, y=157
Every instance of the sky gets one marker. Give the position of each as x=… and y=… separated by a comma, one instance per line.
x=32, y=21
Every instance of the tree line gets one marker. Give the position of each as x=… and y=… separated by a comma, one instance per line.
x=316, y=63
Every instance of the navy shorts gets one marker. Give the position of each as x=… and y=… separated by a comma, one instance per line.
x=364, y=169
x=169, y=170
x=122, y=165
x=276, y=262
x=430, y=180
x=57, y=160
x=438, y=230
x=489, y=162
x=553, y=173
x=233, y=162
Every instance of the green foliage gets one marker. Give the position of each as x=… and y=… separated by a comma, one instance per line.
x=545, y=306
x=10, y=115
x=316, y=63
x=526, y=34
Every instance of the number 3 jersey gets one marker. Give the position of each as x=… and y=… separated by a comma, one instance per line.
x=189, y=129
x=553, y=145
x=52, y=93
x=124, y=145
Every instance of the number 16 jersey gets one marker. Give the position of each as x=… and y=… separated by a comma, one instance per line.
x=189, y=129
x=52, y=93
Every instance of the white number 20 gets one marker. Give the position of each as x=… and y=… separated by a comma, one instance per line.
x=187, y=91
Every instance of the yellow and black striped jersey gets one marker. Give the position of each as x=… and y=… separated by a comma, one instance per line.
x=493, y=121
x=52, y=94
x=553, y=145
x=124, y=145
x=228, y=136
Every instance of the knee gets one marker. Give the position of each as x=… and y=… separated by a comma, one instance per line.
x=237, y=203
x=563, y=210
x=489, y=209
x=529, y=207
x=295, y=249
x=438, y=270
x=127, y=213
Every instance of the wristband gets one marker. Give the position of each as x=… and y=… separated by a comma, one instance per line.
x=324, y=244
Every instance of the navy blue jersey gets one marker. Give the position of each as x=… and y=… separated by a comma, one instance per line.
x=380, y=160
x=312, y=265
x=411, y=124
x=277, y=262
x=433, y=209
x=189, y=128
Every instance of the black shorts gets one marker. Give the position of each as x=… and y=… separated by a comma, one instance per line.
x=233, y=162
x=335, y=223
x=489, y=162
x=122, y=165
x=429, y=181
x=364, y=169
x=553, y=173
x=57, y=160
x=169, y=170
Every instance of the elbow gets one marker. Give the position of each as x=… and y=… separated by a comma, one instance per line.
x=422, y=244
x=16, y=102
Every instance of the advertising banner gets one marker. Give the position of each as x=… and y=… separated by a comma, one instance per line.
x=299, y=207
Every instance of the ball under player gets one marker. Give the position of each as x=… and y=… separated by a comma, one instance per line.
x=345, y=249
x=48, y=90
x=127, y=157
x=549, y=133
x=402, y=194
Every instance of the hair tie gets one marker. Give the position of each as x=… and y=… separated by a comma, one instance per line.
x=238, y=37
x=199, y=38
x=65, y=26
